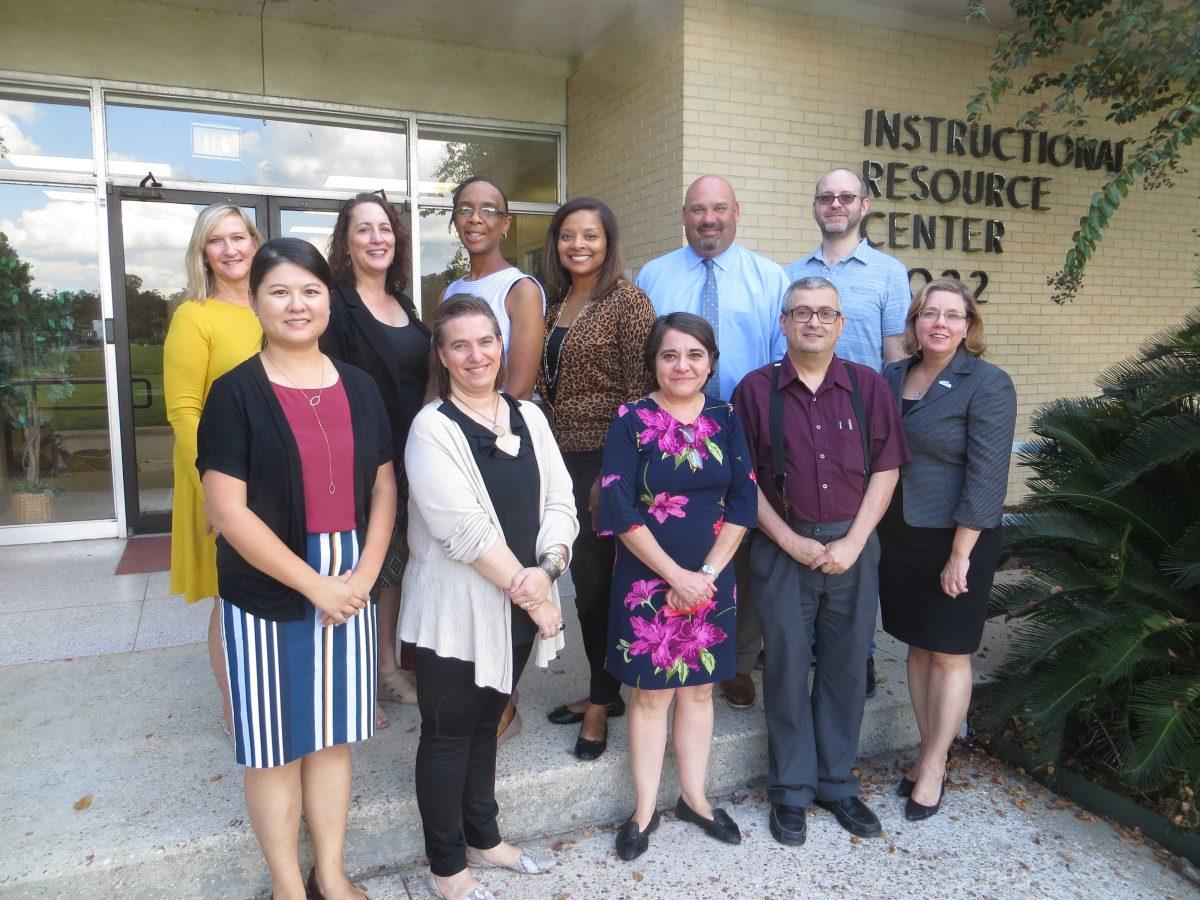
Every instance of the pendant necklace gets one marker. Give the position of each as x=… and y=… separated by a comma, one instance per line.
x=497, y=428
x=314, y=401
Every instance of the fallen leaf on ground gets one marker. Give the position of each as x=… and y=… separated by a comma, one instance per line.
x=83, y=802
x=561, y=844
x=215, y=778
x=1085, y=815
x=638, y=876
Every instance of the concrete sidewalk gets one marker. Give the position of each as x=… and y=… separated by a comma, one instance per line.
x=999, y=835
x=119, y=780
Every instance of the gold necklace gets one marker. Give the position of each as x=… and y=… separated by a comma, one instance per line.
x=313, y=402
x=497, y=428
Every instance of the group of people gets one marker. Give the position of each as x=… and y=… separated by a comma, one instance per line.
x=381, y=509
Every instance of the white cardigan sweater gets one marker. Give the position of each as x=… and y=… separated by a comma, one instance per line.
x=449, y=607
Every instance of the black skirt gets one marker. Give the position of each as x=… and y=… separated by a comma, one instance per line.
x=915, y=610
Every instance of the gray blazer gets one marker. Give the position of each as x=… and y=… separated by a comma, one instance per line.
x=960, y=435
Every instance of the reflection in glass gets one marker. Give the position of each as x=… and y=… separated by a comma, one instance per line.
x=191, y=145
x=45, y=135
x=525, y=166
x=155, y=236
x=314, y=226
x=443, y=258
x=54, y=448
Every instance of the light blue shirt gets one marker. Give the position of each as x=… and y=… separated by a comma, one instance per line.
x=749, y=296
x=875, y=299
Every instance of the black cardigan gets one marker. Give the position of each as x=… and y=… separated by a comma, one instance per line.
x=245, y=434
x=355, y=336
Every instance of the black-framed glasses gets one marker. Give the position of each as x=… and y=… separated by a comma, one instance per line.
x=487, y=211
x=802, y=315
x=845, y=199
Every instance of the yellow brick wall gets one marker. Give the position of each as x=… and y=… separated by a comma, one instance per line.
x=625, y=128
x=773, y=99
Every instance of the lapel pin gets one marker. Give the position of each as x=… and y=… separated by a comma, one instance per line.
x=944, y=383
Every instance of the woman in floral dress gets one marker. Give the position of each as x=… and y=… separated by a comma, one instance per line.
x=677, y=488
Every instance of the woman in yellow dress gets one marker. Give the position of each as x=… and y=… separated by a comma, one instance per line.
x=210, y=333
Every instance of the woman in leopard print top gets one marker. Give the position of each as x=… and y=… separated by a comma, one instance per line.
x=597, y=323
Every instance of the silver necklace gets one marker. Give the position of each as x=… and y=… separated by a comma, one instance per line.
x=496, y=427
x=314, y=400
x=552, y=377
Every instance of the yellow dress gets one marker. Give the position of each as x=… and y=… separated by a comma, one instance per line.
x=205, y=341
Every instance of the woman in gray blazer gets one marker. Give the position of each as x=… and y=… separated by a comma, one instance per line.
x=940, y=539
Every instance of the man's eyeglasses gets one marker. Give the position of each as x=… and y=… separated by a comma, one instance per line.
x=932, y=315
x=802, y=314
x=466, y=210
x=827, y=199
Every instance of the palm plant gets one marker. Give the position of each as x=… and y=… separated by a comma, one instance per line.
x=1105, y=663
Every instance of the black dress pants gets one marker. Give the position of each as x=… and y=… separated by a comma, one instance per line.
x=591, y=572
x=456, y=757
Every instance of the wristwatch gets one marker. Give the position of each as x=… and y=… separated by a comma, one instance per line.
x=709, y=570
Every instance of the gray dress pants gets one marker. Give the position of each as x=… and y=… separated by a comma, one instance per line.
x=812, y=737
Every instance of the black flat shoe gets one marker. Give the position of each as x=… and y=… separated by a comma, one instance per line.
x=788, y=824
x=632, y=843
x=587, y=750
x=720, y=826
x=564, y=715
x=853, y=815
x=916, y=812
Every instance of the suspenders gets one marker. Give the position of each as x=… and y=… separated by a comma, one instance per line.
x=776, y=426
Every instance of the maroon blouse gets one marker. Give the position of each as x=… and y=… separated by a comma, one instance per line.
x=323, y=511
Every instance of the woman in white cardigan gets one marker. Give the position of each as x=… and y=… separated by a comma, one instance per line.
x=491, y=523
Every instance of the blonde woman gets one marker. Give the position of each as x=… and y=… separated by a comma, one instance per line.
x=210, y=333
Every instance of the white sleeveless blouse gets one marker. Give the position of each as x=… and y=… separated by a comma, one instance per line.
x=494, y=289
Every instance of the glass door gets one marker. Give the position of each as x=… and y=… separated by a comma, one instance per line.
x=150, y=230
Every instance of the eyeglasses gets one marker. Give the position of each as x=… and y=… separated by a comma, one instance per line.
x=802, y=314
x=827, y=199
x=932, y=315
x=488, y=212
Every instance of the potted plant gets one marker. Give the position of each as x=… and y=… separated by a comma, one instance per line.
x=36, y=337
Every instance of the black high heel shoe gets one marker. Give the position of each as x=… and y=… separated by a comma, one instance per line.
x=906, y=785
x=917, y=812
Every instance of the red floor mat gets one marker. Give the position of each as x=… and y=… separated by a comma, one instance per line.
x=145, y=554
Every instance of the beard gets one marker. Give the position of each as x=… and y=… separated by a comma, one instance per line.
x=837, y=229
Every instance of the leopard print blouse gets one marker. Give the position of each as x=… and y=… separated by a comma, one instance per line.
x=600, y=368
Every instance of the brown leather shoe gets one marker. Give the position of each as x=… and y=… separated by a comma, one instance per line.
x=739, y=691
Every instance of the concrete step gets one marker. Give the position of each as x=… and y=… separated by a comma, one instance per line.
x=119, y=781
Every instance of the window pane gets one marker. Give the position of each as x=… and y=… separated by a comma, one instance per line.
x=443, y=258
x=192, y=145
x=54, y=448
x=524, y=166
x=45, y=135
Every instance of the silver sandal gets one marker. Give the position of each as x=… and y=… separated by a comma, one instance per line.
x=479, y=892
x=527, y=863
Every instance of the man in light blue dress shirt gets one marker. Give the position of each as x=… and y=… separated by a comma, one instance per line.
x=748, y=292
x=873, y=285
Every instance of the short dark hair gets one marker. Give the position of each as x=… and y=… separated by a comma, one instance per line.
x=457, y=307
x=687, y=323
x=281, y=250
x=555, y=277
x=396, y=279
x=462, y=185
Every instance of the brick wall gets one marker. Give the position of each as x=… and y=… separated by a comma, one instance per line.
x=772, y=99
x=625, y=128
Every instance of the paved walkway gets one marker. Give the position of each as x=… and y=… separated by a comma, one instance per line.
x=999, y=834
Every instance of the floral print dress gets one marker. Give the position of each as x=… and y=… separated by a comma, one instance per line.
x=682, y=482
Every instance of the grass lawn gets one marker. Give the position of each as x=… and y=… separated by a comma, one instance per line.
x=147, y=364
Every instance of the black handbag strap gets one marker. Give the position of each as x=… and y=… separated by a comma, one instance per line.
x=777, y=445
x=864, y=425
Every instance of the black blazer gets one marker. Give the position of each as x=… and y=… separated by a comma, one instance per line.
x=245, y=434
x=960, y=436
x=355, y=336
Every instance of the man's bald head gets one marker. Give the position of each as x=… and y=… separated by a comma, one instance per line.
x=710, y=215
x=839, y=203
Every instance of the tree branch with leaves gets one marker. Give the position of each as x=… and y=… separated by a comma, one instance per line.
x=1137, y=60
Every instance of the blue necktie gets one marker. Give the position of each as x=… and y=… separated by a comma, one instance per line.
x=709, y=310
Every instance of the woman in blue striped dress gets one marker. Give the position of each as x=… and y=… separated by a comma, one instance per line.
x=295, y=452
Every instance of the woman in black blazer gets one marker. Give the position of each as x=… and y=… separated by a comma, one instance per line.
x=374, y=325
x=940, y=538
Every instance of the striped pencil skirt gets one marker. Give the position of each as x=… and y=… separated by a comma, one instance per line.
x=298, y=687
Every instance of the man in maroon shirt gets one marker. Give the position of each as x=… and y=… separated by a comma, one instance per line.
x=826, y=472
